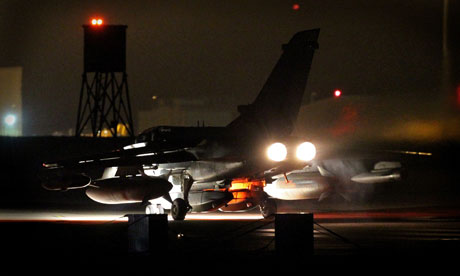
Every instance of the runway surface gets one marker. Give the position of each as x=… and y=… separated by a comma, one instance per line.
x=375, y=235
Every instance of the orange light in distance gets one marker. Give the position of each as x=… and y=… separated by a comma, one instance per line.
x=337, y=93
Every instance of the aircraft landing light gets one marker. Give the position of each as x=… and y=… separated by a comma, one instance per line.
x=306, y=151
x=277, y=152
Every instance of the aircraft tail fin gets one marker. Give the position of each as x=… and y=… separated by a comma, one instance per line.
x=274, y=111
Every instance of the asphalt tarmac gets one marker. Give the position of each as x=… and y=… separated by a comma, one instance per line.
x=222, y=238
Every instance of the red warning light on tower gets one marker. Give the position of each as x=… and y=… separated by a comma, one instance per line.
x=458, y=96
x=296, y=7
x=337, y=93
x=96, y=21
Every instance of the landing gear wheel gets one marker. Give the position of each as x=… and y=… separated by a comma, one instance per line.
x=179, y=209
x=268, y=207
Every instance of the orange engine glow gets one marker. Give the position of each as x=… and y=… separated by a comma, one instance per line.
x=243, y=191
x=246, y=184
x=240, y=196
x=246, y=193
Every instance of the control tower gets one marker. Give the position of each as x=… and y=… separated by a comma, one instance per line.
x=104, y=108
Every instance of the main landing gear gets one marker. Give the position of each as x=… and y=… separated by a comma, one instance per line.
x=180, y=206
x=179, y=209
x=268, y=207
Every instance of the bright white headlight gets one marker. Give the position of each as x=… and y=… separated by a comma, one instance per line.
x=306, y=151
x=277, y=152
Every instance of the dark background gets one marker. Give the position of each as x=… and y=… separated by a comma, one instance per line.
x=220, y=50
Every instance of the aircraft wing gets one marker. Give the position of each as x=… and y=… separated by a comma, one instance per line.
x=126, y=157
x=79, y=172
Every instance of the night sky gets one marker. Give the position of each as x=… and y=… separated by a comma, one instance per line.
x=220, y=50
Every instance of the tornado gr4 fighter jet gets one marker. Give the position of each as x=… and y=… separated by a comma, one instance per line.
x=250, y=162
x=229, y=168
x=204, y=168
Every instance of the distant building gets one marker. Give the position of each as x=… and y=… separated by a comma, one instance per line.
x=11, y=101
x=183, y=112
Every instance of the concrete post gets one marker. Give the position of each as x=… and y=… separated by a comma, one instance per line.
x=294, y=235
x=147, y=234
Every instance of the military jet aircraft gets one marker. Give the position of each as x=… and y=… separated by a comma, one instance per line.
x=237, y=167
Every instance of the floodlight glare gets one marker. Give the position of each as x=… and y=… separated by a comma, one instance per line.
x=306, y=151
x=10, y=119
x=277, y=152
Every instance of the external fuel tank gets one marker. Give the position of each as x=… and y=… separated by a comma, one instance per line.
x=128, y=189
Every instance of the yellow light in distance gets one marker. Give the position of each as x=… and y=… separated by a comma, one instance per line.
x=306, y=151
x=277, y=152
